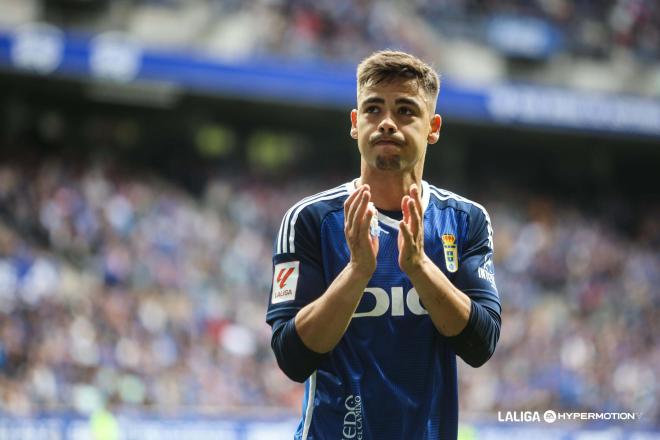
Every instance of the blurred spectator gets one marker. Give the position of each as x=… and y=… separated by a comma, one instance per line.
x=596, y=29
x=140, y=295
x=129, y=292
x=349, y=30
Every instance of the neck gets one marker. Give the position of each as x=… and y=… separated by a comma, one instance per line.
x=389, y=187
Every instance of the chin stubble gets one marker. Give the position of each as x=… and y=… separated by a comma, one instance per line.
x=388, y=163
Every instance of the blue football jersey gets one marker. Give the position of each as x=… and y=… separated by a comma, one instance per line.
x=392, y=375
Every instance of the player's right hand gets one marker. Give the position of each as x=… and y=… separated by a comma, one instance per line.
x=357, y=219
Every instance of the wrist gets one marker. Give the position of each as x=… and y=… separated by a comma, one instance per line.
x=358, y=272
x=417, y=267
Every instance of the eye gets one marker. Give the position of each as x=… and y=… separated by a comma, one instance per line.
x=406, y=111
x=372, y=109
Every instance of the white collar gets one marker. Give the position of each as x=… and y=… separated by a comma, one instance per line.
x=389, y=221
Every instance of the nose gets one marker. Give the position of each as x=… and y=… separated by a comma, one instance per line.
x=387, y=125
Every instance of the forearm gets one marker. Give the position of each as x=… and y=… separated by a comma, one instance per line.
x=472, y=326
x=323, y=322
x=477, y=342
x=448, y=307
x=296, y=360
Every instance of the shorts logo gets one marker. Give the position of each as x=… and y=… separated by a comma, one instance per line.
x=451, y=252
x=285, y=281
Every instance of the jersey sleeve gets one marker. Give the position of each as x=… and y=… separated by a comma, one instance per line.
x=298, y=277
x=476, y=273
x=476, y=278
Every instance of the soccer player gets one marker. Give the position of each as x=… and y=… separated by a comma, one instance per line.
x=380, y=282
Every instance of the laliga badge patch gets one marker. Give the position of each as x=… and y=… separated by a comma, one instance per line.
x=451, y=252
x=285, y=281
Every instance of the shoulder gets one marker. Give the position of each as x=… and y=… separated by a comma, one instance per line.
x=478, y=218
x=319, y=204
x=443, y=198
x=307, y=214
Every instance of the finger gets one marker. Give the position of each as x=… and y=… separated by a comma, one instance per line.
x=414, y=216
x=415, y=209
x=358, y=200
x=417, y=197
x=358, y=221
x=365, y=223
x=356, y=213
x=405, y=209
x=349, y=201
x=405, y=232
x=354, y=206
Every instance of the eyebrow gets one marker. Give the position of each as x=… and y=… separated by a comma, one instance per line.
x=373, y=100
x=398, y=101
x=408, y=101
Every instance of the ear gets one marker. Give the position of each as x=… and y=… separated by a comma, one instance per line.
x=434, y=134
x=354, y=133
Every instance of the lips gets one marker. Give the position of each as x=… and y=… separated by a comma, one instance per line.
x=387, y=141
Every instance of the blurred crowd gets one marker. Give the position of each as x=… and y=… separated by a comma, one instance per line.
x=580, y=310
x=587, y=28
x=301, y=29
x=126, y=291
x=343, y=29
x=350, y=30
x=122, y=290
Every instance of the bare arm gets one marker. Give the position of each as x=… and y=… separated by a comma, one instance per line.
x=322, y=323
x=448, y=307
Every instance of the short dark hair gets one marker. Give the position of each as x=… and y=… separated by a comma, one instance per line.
x=388, y=65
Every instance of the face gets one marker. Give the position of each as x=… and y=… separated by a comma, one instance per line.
x=393, y=125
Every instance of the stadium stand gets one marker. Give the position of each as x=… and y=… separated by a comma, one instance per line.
x=121, y=287
x=611, y=45
x=127, y=290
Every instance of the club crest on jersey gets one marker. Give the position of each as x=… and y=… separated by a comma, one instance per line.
x=285, y=281
x=451, y=252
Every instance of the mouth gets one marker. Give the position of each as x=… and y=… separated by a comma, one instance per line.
x=387, y=143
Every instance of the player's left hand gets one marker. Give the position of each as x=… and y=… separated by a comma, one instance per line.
x=411, y=233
